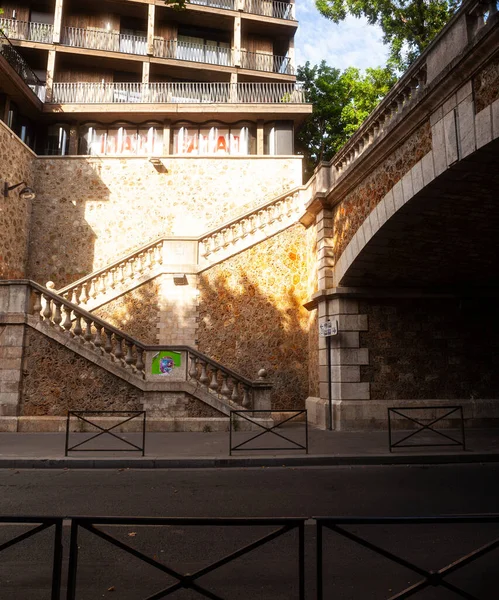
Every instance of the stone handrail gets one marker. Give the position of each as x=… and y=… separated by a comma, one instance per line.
x=407, y=91
x=129, y=354
x=235, y=233
x=232, y=236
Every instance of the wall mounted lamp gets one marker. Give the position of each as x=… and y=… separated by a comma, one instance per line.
x=158, y=164
x=180, y=279
x=26, y=193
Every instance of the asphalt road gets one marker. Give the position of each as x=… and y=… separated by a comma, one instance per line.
x=270, y=572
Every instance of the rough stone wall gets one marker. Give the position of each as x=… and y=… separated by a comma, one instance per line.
x=313, y=335
x=135, y=313
x=486, y=85
x=356, y=206
x=57, y=380
x=91, y=211
x=431, y=348
x=251, y=314
x=16, y=165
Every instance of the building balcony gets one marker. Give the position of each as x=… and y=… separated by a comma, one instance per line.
x=204, y=53
x=177, y=93
x=266, y=62
x=96, y=39
x=23, y=30
x=266, y=8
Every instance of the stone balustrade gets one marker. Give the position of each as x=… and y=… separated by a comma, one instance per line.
x=125, y=352
x=251, y=227
x=150, y=260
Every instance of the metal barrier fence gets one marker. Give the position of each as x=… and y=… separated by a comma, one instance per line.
x=280, y=527
x=43, y=524
x=430, y=578
x=79, y=414
x=426, y=427
x=247, y=414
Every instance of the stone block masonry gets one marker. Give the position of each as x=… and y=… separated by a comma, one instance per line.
x=16, y=165
x=91, y=211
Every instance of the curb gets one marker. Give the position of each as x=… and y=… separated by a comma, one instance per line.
x=244, y=462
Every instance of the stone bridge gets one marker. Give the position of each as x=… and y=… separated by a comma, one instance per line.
x=407, y=221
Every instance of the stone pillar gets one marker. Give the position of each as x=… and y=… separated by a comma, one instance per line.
x=346, y=360
x=146, y=69
x=178, y=310
x=236, y=42
x=260, y=147
x=325, y=248
x=50, y=74
x=151, y=15
x=14, y=304
x=59, y=4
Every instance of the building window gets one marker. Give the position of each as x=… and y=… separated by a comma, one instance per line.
x=57, y=140
x=122, y=140
x=214, y=139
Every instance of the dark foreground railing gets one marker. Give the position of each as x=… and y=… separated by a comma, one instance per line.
x=429, y=578
x=81, y=415
x=289, y=586
x=42, y=523
x=400, y=411
x=250, y=416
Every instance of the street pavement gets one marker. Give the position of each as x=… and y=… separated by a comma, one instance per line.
x=351, y=572
x=187, y=449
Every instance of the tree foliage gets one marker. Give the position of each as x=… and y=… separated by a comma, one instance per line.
x=341, y=101
x=408, y=25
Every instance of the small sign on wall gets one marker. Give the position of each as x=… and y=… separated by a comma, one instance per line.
x=328, y=328
x=164, y=362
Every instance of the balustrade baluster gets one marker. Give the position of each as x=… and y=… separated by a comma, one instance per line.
x=37, y=304
x=129, y=358
x=118, y=350
x=67, y=323
x=235, y=392
x=129, y=268
x=150, y=258
x=193, y=370
x=57, y=313
x=214, y=380
x=47, y=310
x=98, y=335
x=224, y=390
x=102, y=283
x=88, y=337
x=246, y=399
x=108, y=346
x=77, y=331
x=139, y=365
x=204, y=376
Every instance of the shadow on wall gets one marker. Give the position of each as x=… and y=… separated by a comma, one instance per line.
x=62, y=241
x=135, y=313
x=245, y=328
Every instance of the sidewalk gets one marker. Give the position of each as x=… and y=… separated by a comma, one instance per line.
x=209, y=450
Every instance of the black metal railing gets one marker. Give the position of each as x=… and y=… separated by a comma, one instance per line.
x=17, y=62
x=250, y=416
x=80, y=415
x=42, y=523
x=430, y=578
x=422, y=427
x=185, y=580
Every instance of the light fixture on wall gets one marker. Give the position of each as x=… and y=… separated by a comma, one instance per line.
x=158, y=164
x=26, y=193
x=180, y=279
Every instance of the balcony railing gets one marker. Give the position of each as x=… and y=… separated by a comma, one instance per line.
x=179, y=50
x=22, y=30
x=177, y=93
x=270, y=8
x=226, y=4
x=266, y=62
x=96, y=39
x=20, y=66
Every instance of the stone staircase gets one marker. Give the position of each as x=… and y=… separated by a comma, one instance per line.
x=184, y=255
x=95, y=340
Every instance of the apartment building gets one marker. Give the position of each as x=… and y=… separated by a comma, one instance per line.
x=142, y=78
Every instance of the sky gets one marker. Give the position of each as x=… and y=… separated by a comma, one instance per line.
x=352, y=43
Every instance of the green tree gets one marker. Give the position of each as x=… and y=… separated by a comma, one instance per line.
x=408, y=25
x=341, y=101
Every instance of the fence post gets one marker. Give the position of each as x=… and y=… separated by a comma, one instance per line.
x=261, y=392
